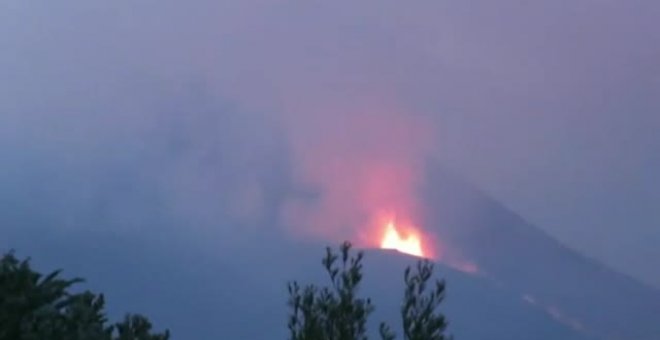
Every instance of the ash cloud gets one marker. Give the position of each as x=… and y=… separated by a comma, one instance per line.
x=273, y=114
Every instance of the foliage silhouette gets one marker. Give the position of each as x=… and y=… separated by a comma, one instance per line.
x=37, y=307
x=338, y=313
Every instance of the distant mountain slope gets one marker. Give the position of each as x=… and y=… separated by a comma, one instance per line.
x=517, y=255
x=243, y=296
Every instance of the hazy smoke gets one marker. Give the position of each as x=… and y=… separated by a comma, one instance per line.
x=361, y=161
x=257, y=115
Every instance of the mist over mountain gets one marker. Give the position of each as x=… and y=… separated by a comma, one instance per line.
x=549, y=106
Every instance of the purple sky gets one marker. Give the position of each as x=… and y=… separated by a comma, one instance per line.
x=553, y=107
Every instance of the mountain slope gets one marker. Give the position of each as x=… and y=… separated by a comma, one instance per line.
x=579, y=291
x=210, y=294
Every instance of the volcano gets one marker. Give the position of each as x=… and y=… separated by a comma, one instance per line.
x=528, y=285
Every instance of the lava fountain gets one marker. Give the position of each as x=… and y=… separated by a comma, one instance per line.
x=408, y=243
x=407, y=239
x=412, y=241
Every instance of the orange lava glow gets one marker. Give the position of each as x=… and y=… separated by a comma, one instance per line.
x=410, y=244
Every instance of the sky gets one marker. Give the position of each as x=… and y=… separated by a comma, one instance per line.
x=212, y=113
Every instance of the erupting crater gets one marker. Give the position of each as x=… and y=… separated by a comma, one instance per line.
x=407, y=241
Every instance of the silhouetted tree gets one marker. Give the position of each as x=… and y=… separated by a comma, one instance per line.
x=37, y=307
x=337, y=313
x=331, y=313
x=421, y=321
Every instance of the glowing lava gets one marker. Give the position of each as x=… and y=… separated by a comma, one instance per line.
x=410, y=244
